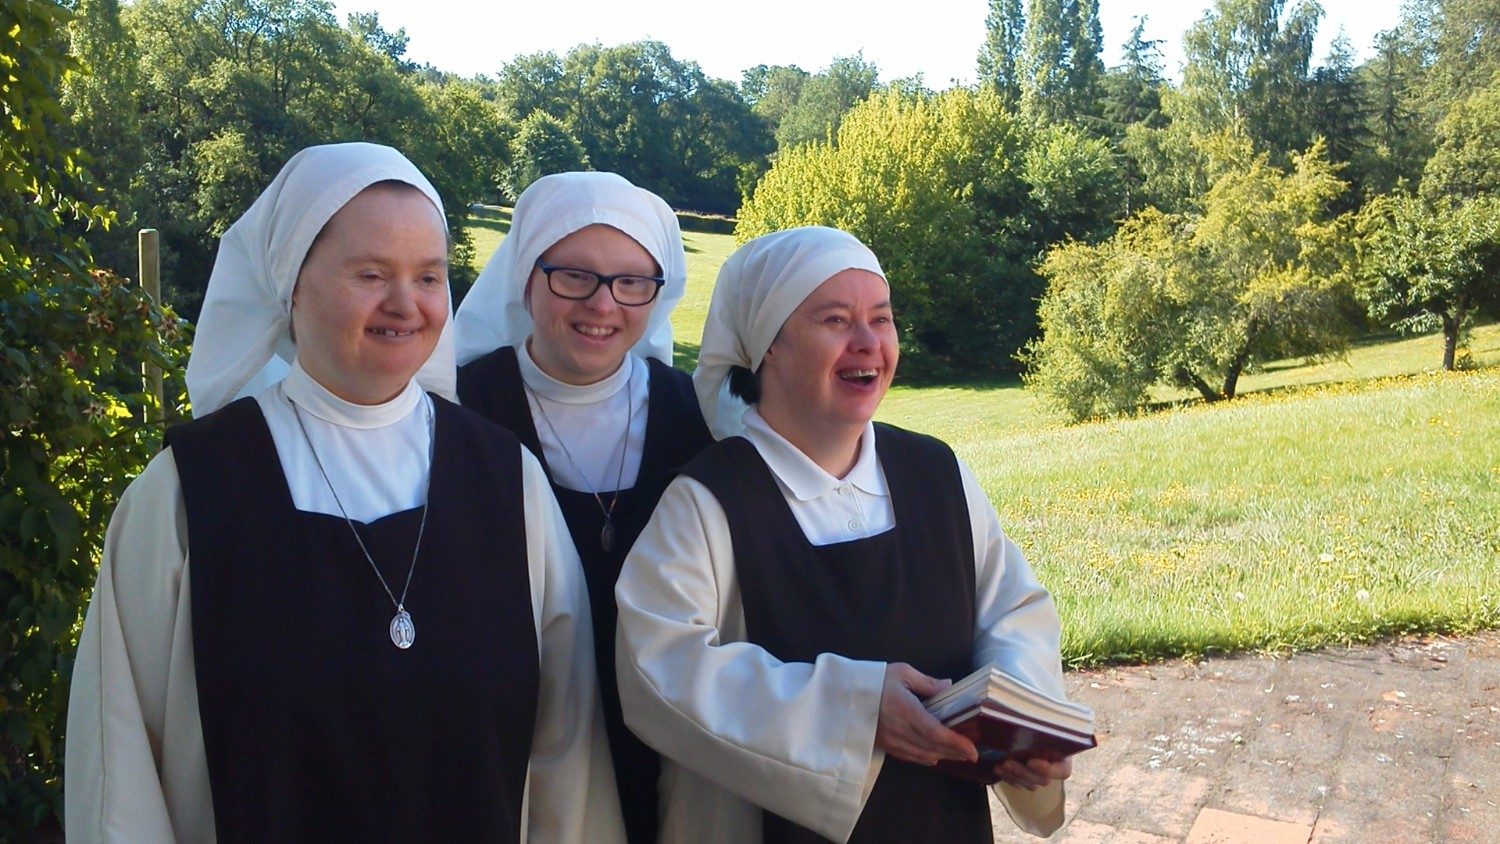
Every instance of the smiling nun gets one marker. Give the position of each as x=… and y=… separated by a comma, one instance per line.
x=566, y=340
x=343, y=608
x=809, y=578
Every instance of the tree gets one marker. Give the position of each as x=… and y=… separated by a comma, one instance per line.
x=1000, y=55
x=1060, y=70
x=73, y=341
x=640, y=112
x=957, y=195
x=1196, y=299
x=1132, y=97
x=1426, y=267
x=542, y=146
x=824, y=99
x=1341, y=116
x=1400, y=140
x=1466, y=162
x=1247, y=65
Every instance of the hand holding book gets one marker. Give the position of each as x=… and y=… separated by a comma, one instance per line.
x=906, y=730
x=1022, y=733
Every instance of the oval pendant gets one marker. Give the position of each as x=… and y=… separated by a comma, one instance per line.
x=403, y=632
x=607, y=536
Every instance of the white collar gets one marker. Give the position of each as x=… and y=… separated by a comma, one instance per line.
x=314, y=398
x=545, y=386
x=803, y=478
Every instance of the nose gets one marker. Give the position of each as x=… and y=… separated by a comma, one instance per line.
x=400, y=298
x=862, y=338
x=603, y=299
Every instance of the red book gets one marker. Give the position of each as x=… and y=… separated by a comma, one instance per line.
x=1007, y=718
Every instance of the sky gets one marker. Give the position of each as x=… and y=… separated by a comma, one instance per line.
x=936, y=38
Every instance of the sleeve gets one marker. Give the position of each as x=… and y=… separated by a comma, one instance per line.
x=570, y=788
x=1016, y=628
x=135, y=767
x=794, y=738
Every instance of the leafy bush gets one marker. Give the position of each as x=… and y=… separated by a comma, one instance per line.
x=957, y=196
x=71, y=401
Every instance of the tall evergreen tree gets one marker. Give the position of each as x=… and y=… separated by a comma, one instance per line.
x=1000, y=55
x=1132, y=91
x=1394, y=81
x=1340, y=115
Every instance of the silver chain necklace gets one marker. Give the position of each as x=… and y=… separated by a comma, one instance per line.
x=403, y=632
x=606, y=533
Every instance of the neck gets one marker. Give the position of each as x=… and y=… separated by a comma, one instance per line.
x=834, y=448
x=569, y=378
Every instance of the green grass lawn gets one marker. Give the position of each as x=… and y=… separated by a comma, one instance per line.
x=1334, y=501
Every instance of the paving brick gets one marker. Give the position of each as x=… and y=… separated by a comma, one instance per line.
x=1214, y=826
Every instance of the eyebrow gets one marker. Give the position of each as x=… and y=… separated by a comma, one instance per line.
x=884, y=303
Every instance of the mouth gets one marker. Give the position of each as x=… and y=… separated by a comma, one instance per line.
x=596, y=331
x=390, y=332
x=859, y=376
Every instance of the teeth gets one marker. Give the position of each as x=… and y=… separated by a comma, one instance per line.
x=854, y=374
x=593, y=330
x=391, y=332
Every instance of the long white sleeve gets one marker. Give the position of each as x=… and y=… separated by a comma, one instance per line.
x=738, y=728
x=1016, y=627
x=571, y=794
x=135, y=768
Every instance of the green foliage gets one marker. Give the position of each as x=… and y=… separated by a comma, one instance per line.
x=1060, y=70
x=1182, y=299
x=1424, y=267
x=956, y=194
x=196, y=106
x=1247, y=63
x=70, y=393
x=824, y=98
x=1000, y=55
x=1466, y=162
x=640, y=112
x=542, y=145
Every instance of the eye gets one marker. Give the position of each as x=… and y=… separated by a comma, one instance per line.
x=577, y=276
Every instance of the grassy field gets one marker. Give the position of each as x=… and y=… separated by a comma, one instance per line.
x=1335, y=501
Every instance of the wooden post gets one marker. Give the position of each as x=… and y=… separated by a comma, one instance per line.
x=149, y=244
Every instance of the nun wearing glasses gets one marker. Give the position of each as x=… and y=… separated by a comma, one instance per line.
x=810, y=578
x=566, y=340
x=344, y=607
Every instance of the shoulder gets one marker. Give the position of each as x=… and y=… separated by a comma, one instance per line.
x=890, y=437
x=488, y=371
x=469, y=423
x=230, y=421
x=720, y=458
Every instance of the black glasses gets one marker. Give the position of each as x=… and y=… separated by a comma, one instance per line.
x=630, y=290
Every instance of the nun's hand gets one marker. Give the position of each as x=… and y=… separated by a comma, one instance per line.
x=1034, y=772
x=906, y=730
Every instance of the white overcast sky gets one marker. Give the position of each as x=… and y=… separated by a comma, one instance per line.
x=937, y=38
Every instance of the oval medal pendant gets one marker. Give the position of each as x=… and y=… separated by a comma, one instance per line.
x=607, y=536
x=403, y=632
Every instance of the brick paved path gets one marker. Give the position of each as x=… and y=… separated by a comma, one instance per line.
x=1396, y=742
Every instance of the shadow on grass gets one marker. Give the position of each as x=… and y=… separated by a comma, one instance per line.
x=491, y=217
x=685, y=355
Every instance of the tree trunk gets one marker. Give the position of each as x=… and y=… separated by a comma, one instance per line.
x=1452, y=324
x=1189, y=377
x=1450, y=341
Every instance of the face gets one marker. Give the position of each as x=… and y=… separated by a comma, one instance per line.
x=372, y=295
x=585, y=341
x=833, y=360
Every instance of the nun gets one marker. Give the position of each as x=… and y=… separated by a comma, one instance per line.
x=343, y=607
x=566, y=340
x=812, y=576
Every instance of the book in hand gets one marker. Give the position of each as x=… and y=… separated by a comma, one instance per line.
x=1007, y=718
